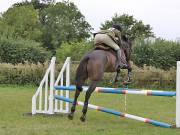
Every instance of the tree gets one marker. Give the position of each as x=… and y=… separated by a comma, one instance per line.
x=131, y=27
x=48, y=1
x=6, y=30
x=38, y=4
x=41, y=5
x=24, y=20
x=23, y=3
x=63, y=22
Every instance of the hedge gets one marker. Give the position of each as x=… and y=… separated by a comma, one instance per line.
x=146, y=77
x=16, y=51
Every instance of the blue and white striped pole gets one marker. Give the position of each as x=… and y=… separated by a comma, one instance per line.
x=121, y=91
x=110, y=111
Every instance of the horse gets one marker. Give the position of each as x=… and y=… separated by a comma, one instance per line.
x=93, y=65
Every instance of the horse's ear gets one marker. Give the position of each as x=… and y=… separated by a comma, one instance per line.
x=124, y=38
x=94, y=34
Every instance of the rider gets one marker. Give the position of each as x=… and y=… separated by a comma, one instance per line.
x=112, y=38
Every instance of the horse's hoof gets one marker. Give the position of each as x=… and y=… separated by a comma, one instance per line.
x=127, y=82
x=82, y=118
x=70, y=116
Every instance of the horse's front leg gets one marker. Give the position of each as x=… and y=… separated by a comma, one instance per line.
x=117, y=77
x=129, y=76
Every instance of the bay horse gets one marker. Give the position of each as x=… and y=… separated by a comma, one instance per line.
x=93, y=65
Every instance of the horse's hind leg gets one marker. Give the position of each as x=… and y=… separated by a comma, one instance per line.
x=76, y=95
x=73, y=108
x=117, y=77
x=88, y=94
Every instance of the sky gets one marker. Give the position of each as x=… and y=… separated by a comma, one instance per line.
x=162, y=15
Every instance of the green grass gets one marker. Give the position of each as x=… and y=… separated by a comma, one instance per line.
x=16, y=100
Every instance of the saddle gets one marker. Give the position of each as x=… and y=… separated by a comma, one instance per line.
x=102, y=46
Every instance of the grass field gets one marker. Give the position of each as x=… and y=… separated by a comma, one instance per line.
x=15, y=101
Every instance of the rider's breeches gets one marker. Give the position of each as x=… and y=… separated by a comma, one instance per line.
x=104, y=38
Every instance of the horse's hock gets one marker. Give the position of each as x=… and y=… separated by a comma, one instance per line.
x=53, y=96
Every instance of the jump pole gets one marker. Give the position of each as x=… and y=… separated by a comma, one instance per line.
x=110, y=111
x=121, y=91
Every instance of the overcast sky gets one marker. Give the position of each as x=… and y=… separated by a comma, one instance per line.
x=162, y=15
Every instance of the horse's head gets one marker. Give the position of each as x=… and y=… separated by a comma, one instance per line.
x=127, y=42
x=127, y=46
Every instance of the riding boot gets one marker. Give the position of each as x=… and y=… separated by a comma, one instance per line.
x=118, y=59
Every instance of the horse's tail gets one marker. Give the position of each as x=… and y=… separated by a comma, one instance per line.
x=81, y=73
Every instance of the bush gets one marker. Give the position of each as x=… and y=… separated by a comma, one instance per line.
x=142, y=54
x=75, y=50
x=160, y=54
x=19, y=51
